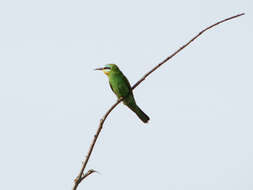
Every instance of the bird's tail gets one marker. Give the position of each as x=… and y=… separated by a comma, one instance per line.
x=139, y=112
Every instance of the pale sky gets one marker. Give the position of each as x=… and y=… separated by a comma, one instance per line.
x=200, y=102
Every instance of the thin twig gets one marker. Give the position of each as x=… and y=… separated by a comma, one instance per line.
x=88, y=173
x=81, y=175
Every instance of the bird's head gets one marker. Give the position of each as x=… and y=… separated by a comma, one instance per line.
x=107, y=69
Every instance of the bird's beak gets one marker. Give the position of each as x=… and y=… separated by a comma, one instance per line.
x=99, y=69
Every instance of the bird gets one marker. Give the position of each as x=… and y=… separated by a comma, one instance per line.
x=122, y=89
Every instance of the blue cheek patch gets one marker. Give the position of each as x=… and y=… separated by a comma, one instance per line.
x=108, y=66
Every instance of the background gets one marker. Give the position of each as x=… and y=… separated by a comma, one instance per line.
x=200, y=102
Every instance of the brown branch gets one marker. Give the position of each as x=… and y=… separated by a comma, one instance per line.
x=181, y=48
x=81, y=175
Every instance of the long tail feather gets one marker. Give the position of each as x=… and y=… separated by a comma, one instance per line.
x=139, y=112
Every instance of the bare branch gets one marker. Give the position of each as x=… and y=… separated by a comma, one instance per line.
x=181, y=48
x=81, y=175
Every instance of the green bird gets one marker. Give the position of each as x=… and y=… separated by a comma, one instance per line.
x=121, y=87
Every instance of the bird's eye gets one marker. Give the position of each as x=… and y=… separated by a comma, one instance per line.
x=107, y=68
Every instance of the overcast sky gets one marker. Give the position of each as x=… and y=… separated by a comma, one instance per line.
x=200, y=102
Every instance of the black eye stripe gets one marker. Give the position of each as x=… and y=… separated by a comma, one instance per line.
x=107, y=68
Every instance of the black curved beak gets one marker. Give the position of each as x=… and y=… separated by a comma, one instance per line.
x=99, y=69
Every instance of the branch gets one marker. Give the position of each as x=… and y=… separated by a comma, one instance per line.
x=81, y=175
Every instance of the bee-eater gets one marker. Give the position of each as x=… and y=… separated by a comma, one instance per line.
x=121, y=87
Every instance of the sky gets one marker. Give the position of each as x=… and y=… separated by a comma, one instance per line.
x=199, y=103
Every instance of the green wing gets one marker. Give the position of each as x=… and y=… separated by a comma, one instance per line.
x=111, y=86
x=120, y=85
